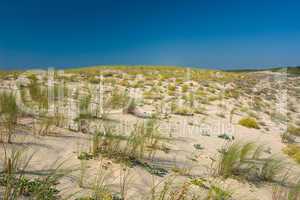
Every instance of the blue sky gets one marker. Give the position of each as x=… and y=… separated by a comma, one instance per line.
x=211, y=33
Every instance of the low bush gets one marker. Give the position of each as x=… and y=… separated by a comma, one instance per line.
x=183, y=110
x=293, y=151
x=198, y=146
x=293, y=130
x=249, y=122
x=286, y=137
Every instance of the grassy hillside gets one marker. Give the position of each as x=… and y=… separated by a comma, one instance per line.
x=290, y=70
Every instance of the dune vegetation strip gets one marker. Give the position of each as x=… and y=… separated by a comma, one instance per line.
x=148, y=132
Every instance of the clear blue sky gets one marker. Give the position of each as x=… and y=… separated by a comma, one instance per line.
x=211, y=33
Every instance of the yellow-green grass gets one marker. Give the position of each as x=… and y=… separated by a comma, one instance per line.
x=293, y=151
x=294, y=130
x=249, y=122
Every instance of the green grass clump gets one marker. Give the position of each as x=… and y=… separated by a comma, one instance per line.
x=293, y=151
x=171, y=87
x=134, y=149
x=36, y=188
x=294, y=130
x=118, y=99
x=286, y=137
x=85, y=156
x=182, y=110
x=282, y=192
x=152, y=95
x=214, y=192
x=184, y=88
x=249, y=122
x=218, y=193
x=226, y=137
x=15, y=185
x=198, y=146
x=247, y=161
x=9, y=113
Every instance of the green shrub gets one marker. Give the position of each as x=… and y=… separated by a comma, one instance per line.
x=183, y=110
x=226, y=137
x=198, y=146
x=293, y=130
x=94, y=80
x=184, y=88
x=118, y=99
x=85, y=156
x=171, y=87
x=249, y=123
x=218, y=193
x=293, y=151
x=286, y=137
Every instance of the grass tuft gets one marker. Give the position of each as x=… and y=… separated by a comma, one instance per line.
x=249, y=122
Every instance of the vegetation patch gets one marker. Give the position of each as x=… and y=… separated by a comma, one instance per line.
x=249, y=122
x=198, y=146
x=36, y=188
x=133, y=149
x=293, y=130
x=247, y=161
x=293, y=151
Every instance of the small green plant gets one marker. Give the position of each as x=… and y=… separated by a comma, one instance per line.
x=118, y=98
x=83, y=168
x=46, y=125
x=247, y=161
x=143, y=142
x=183, y=110
x=278, y=117
x=286, y=137
x=9, y=113
x=226, y=137
x=198, y=146
x=199, y=182
x=217, y=193
x=18, y=186
x=130, y=108
x=184, y=88
x=293, y=151
x=214, y=192
x=249, y=122
x=84, y=103
x=171, y=87
x=293, y=130
x=270, y=168
x=85, y=156
x=280, y=192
